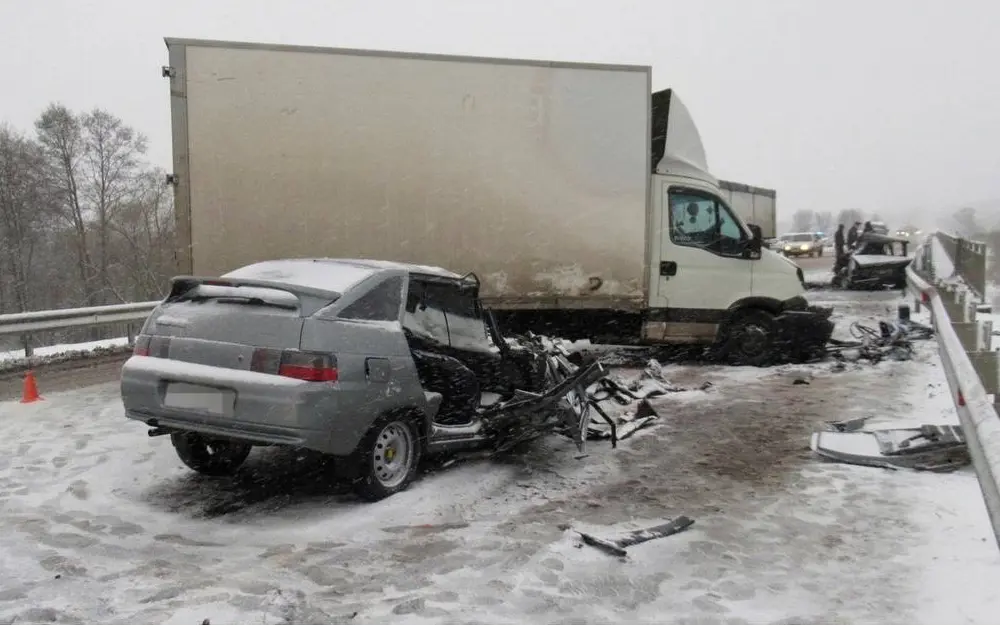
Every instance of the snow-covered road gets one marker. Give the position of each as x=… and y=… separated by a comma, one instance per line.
x=101, y=524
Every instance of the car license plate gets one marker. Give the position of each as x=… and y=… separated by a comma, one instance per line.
x=199, y=398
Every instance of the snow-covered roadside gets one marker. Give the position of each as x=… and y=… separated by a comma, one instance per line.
x=99, y=523
x=42, y=355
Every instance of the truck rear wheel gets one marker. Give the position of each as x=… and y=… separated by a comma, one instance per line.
x=749, y=338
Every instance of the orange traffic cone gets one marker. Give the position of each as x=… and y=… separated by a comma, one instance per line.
x=30, y=389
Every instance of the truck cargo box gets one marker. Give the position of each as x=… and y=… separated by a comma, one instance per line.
x=754, y=205
x=534, y=175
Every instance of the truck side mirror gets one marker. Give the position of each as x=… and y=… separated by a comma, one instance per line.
x=757, y=240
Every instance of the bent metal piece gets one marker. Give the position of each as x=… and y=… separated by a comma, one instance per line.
x=511, y=421
x=636, y=537
x=925, y=448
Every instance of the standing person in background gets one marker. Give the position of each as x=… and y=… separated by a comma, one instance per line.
x=838, y=247
x=838, y=241
x=852, y=235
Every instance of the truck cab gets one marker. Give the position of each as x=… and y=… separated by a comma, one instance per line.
x=711, y=279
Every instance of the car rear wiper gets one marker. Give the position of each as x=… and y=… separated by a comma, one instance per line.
x=253, y=301
x=235, y=299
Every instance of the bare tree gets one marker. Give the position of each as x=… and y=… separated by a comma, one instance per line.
x=967, y=221
x=112, y=153
x=849, y=216
x=802, y=220
x=61, y=136
x=145, y=229
x=80, y=196
x=22, y=205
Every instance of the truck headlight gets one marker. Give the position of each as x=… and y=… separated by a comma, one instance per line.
x=804, y=247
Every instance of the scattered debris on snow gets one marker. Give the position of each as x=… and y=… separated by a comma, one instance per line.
x=618, y=546
x=608, y=391
x=892, y=340
x=924, y=448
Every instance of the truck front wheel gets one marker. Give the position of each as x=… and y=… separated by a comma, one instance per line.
x=749, y=337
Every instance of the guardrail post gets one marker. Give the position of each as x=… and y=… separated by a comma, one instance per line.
x=949, y=297
x=131, y=333
x=29, y=351
x=969, y=335
x=977, y=339
x=987, y=365
x=969, y=307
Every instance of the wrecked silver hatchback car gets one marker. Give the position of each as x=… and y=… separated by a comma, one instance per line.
x=374, y=363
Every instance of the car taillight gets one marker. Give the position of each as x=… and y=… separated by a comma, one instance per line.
x=291, y=363
x=141, y=347
x=155, y=346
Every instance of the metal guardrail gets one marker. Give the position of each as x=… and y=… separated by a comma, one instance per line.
x=26, y=324
x=969, y=258
x=961, y=344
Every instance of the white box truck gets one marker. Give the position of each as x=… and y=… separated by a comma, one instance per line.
x=581, y=201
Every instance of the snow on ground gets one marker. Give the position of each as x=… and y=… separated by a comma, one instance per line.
x=41, y=354
x=101, y=524
x=818, y=276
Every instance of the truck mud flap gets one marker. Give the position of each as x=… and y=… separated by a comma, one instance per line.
x=529, y=415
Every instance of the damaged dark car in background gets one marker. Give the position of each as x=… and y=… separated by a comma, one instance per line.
x=877, y=261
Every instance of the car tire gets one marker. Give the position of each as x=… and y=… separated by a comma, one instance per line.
x=210, y=456
x=749, y=338
x=378, y=476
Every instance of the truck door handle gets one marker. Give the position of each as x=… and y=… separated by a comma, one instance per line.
x=668, y=268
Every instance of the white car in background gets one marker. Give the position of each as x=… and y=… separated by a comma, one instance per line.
x=799, y=244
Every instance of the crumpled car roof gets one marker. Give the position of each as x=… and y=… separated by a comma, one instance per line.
x=875, y=237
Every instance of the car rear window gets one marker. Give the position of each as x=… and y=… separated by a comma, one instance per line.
x=336, y=277
x=240, y=295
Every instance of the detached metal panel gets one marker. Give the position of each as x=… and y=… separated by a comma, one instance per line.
x=533, y=175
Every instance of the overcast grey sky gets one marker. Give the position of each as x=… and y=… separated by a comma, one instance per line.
x=884, y=105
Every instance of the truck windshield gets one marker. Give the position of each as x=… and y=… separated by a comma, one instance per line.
x=699, y=220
